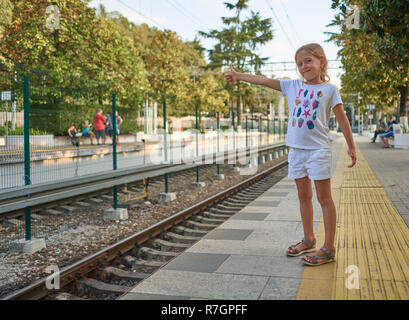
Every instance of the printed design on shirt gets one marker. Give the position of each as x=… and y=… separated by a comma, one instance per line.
x=306, y=113
x=309, y=99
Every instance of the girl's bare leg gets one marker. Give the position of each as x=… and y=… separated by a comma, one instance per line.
x=305, y=197
x=324, y=196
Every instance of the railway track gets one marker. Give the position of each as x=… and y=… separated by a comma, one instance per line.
x=113, y=271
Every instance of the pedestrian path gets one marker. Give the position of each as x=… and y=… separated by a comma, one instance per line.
x=244, y=258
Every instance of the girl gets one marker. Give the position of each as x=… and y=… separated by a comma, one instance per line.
x=310, y=102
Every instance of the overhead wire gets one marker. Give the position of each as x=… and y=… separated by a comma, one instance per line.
x=183, y=13
x=291, y=23
x=279, y=23
x=141, y=14
x=187, y=13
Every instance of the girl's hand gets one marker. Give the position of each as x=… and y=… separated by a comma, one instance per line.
x=352, y=154
x=232, y=75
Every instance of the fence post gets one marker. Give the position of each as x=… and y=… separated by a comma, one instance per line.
x=114, y=155
x=268, y=131
x=234, y=141
x=260, y=129
x=197, y=144
x=247, y=138
x=218, y=148
x=27, y=180
x=165, y=147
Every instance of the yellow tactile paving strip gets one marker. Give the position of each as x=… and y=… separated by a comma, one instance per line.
x=371, y=238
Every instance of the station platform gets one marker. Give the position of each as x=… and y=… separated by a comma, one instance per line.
x=245, y=257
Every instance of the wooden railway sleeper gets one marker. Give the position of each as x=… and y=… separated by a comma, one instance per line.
x=164, y=245
x=140, y=265
x=253, y=194
x=179, y=238
x=243, y=198
x=203, y=219
x=225, y=212
x=149, y=253
x=185, y=231
x=200, y=226
x=88, y=286
x=237, y=202
x=112, y=273
x=210, y=215
x=229, y=205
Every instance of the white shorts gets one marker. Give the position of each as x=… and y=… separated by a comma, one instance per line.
x=316, y=164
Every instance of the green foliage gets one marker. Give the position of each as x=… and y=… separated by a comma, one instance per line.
x=19, y=131
x=239, y=43
x=375, y=56
x=75, y=67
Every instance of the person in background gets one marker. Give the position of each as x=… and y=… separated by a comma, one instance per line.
x=389, y=132
x=86, y=131
x=99, y=125
x=119, y=121
x=381, y=129
x=109, y=128
x=74, y=135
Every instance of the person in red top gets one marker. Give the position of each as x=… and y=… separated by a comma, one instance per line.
x=99, y=125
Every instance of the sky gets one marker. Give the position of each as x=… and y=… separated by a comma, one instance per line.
x=295, y=23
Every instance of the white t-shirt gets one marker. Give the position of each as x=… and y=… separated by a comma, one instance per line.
x=309, y=111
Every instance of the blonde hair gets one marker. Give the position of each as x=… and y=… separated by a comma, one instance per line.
x=317, y=51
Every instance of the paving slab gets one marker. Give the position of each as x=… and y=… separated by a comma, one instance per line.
x=203, y=285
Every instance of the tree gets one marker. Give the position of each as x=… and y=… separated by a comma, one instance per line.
x=239, y=42
x=390, y=21
x=84, y=57
x=6, y=9
x=375, y=56
x=167, y=75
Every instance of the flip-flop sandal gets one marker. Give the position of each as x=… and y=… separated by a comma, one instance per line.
x=296, y=253
x=328, y=256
